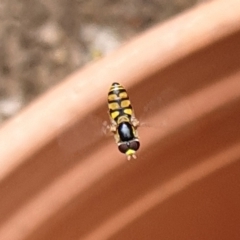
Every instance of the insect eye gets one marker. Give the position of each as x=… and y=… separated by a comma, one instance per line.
x=123, y=147
x=134, y=145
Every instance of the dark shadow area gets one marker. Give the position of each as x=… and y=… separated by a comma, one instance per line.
x=209, y=209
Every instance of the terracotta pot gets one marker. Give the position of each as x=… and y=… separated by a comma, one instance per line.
x=62, y=179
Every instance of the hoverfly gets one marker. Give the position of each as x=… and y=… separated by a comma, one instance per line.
x=123, y=121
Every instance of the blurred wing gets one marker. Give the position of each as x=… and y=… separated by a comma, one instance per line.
x=78, y=139
x=159, y=112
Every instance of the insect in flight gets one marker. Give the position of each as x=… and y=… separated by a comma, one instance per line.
x=123, y=122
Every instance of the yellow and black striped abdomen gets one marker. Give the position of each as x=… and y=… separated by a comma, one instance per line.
x=119, y=104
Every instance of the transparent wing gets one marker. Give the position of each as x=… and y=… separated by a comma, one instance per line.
x=161, y=110
x=77, y=138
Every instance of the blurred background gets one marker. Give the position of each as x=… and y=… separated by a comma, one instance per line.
x=42, y=41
